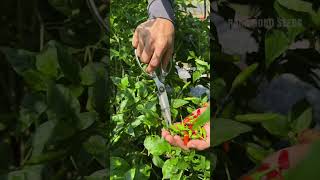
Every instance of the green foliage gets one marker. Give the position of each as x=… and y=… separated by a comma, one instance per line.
x=56, y=127
x=238, y=121
x=136, y=119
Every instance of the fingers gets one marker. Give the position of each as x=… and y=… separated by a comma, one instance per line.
x=164, y=133
x=167, y=56
x=135, y=39
x=179, y=142
x=170, y=139
x=147, y=53
x=140, y=47
x=207, y=128
x=198, y=144
x=156, y=58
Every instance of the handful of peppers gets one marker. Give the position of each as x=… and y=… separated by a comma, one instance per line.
x=192, y=126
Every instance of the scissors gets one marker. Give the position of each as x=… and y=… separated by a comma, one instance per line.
x=162, y=93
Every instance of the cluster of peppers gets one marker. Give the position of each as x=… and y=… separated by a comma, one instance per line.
x=269, y=172
x=186, y=130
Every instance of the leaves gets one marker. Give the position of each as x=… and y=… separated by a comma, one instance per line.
x=69, y=67
x=91, y=72
x=176, y=103
x=276, y=43
x=256, y=153
x=157, y=161
x=276, y=124
x=202, y=119
x=20, y=60
x=259, y=117
x=170, y=168
x=47, y=61
x=243, y=76
x=118, y=167
x=41, y=137
x=156, y=145
x=300, y=116
x=61, y=101
x=226, y=129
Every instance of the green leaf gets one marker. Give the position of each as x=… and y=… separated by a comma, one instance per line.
x=277, y=127
x=69, y=67
x=2, y=126
x=179, y=102
x=20, y=60
x=95, y=145
x=157, y=161
x=276, y=43
x=90, y=73
x=98, y=94
x=202, y=119
x=196, y=75
x=47, y=157
x=98, y=175
x=118, y=167
x=156, y=145
x=61, y=5
x=35, y=80
x=256, y=153
x=226, y=129
x=218, y=88
x=296, y=5
x=41, y=137
x=142, y=172
x=28, y=172
x=170, y=168
x=243, y=76
x=62, y=102
x=124, y=82
x=47, y=61
x=86, y=119
x=259, y=117
x=300, y=116
x=129, y=175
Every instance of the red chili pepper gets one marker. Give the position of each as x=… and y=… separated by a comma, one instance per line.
x=187, y=119
x=226, y=147
x=283, y=160
x=246, y=178
x=198, y=112
x=274, y=174
x=263, y=167
x=190, y=126
x=185, y=139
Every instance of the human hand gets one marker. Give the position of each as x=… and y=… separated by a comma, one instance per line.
x=286, y=158
x=154, y=41
x=197, y=144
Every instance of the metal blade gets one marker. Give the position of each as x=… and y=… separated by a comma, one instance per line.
x=165, y=108
x=163, y=99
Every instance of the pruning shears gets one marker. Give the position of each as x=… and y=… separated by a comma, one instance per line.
x=162, y=93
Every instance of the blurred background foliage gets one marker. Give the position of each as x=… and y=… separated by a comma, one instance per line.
x=54, y=87
x=266, y=80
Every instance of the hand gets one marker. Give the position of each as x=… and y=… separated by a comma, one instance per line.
x=154, y=41
x=288, y=157
x=192, y=144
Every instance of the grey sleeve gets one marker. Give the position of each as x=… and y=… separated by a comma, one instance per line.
x=161, y=8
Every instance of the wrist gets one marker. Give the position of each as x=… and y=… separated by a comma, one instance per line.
x=161, y=9
x=166, y=22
